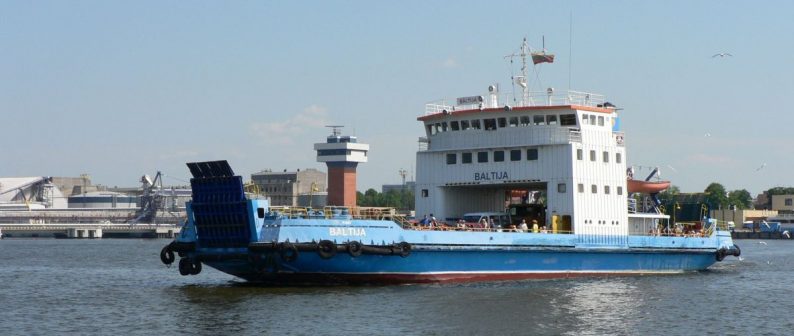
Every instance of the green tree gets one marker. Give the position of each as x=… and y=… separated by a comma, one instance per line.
x=741, y=199
x=716, y=196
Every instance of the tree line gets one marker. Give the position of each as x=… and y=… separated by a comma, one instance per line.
x=398, y=199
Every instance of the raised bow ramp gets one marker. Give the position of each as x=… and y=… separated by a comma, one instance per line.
x=219, y=205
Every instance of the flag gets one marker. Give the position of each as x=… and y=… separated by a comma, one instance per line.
x=542, y=57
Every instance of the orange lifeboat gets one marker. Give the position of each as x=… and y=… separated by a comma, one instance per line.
x=647, y=187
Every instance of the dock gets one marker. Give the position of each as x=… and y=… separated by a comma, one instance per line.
x=88, y=231
x=758, y=235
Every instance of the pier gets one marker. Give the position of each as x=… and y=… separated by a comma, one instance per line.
x=87, y=231
x=758, y=235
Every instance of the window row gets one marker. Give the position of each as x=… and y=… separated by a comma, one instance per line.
x=604, y=156
x=492, y=124
x=592, y=119
x=594, y=189
x=495, y=156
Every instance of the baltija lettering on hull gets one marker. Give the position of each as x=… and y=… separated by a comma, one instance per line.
x=347, y=231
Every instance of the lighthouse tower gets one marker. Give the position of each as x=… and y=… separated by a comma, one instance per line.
x=341, y=153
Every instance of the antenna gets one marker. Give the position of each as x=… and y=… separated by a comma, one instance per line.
x=570, y=46
x=336, y=130
x=520, y=80
x=402, y=173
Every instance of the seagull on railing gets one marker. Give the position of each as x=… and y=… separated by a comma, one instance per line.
x=762, y=167
x=721, y=55
x=785, y=233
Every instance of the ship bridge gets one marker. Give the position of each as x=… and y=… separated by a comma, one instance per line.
x=488, y=153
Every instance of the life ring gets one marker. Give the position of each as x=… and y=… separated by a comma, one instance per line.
x=184, y=266
x=355, y=248
x=288, y=252
x=720, y=254
x=166, y=255
x=404, y=249
x=326, y=249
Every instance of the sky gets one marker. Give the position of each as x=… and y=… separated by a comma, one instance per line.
x=121, y=89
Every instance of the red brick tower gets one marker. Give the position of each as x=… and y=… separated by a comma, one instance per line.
x=342, y=154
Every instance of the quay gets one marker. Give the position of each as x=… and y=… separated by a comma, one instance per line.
x=84, y=230
x=759, y=235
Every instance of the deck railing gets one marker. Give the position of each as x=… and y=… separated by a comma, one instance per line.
x=533, y=98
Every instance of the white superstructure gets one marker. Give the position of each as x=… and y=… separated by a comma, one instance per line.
x=567, y=147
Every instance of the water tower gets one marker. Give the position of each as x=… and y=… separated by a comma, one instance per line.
x=342, y=154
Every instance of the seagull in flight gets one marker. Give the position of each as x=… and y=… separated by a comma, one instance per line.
x=762, y=167
x=762, y=242
x=721, y=55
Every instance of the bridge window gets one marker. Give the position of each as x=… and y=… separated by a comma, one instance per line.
x=475, y=124
x=444, y=126
x=606, y=189
x=620, y=190
x=438, y=128
x=568, y=120
x=452, y=158
x=594, y=189
x=425, y=193
x=502, y=122
x=592, y=155
x=532, y=154
x=606, y=157
x=513, y=121
x=482, y=156
x=260, y=212
x=538, y=120
x=498, y=156
x=618, y=158
x=455, y=125
x=490, y=124
x=579, y=154
x=561, y=188
x=580, y=187
x=464, y=125
x=466, y=158
x=524, y=120
x=584, y=119
x=515, y=155
x=551, y=119
x=592, y=119
x=431, y=129
x=600, y=121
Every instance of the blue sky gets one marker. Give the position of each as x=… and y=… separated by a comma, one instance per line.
x=121, y=89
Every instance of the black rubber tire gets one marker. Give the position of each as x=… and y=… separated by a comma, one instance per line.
x=166, y=255
x=737, y=250
x=184, y=266
x=195, y=267
x=720, y=254
x=404, y=249
x=288, y=252
x=327, y=249
x=355, y=248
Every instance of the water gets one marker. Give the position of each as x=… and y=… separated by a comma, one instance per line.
x=107, y=286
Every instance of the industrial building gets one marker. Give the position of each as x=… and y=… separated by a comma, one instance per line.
x=292, y=188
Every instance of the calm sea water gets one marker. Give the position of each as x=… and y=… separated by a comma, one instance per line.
x=107, y=286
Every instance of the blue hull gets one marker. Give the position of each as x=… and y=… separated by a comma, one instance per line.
x=440, y=265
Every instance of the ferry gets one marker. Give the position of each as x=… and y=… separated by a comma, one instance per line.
x=550, y=166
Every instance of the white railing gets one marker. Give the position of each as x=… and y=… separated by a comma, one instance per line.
x=532, y=98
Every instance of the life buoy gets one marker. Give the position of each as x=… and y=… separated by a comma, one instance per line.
x=404, y=249
x=326, y=249
x=184, y=266
x=288, y=252
x=166, y=255
x=355, y=248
